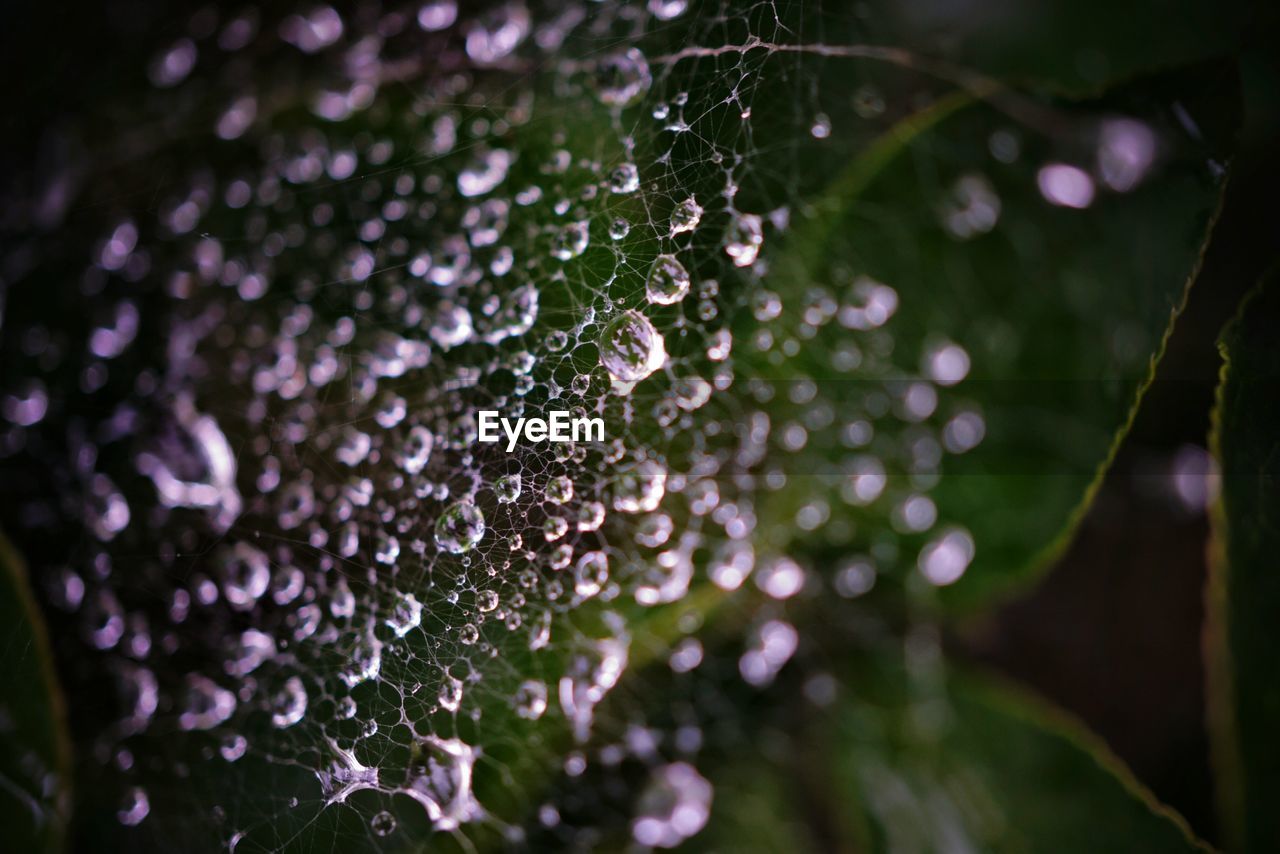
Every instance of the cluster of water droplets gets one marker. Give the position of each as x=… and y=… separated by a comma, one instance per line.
x=295, y=549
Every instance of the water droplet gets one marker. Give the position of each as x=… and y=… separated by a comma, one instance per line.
x=591, y=574
x=821, y=127
x=622, y=78
x=668, y=281
x=1065, y=185
x=135, y=807
x=666, y=10
x=1126, y=149
x=246, y=574
x=207, y=704
x=775, y=643
x=619, y=228
x=233, y=747
x=433, y=16
x=673, y=807
x=559, y=490
x=497, y=33
x=485, y=173
x=450, y=697
x=452, y=326
x=249, y=652
x=383, y=823
x=364, y=661
x=742, y=244
x=554, y=527
x=459, y=528
x=515, y=315
x=440, y=780
x=945, y=559
x=531, y=699
x=406, y=614
x=507, y=488
x=686, y=216
x=781, y=578
x=625, y=178
x=640, y=488
x=288, y=707
x=946, y=363
x=630, y=348
x=590, y=516
x=571, y=240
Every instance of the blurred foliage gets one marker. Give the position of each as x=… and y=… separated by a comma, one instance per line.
x=949, y=761
x=35, y=750
x=1063, y=313
x=1244, y=588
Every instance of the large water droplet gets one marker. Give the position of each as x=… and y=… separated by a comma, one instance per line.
x=668, y=281
x=459, y=528
x=630, y=347
x=559, y=490
x=507, y=488
x=625, y=178
x=440, y=780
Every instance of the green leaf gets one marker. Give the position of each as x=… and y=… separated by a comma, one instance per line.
x=942, y=762
x=1061, y=312
x=35, y=752
x=1244, y=589
x=1016, y=773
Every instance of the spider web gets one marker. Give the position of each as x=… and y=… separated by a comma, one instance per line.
x=307, y=604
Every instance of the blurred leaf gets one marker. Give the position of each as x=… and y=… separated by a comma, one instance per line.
x=1006, y=772
x=950, y=762
x=35, y=754
x=1062, y=313
x=1244, y=588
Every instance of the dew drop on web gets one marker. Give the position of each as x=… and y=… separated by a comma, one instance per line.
x=631, y=348
x=622, y=78
x=668, y=281
x=686, y=216
x=460, y=527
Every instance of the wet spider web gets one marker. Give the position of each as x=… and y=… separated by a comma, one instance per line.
x=307, y=603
